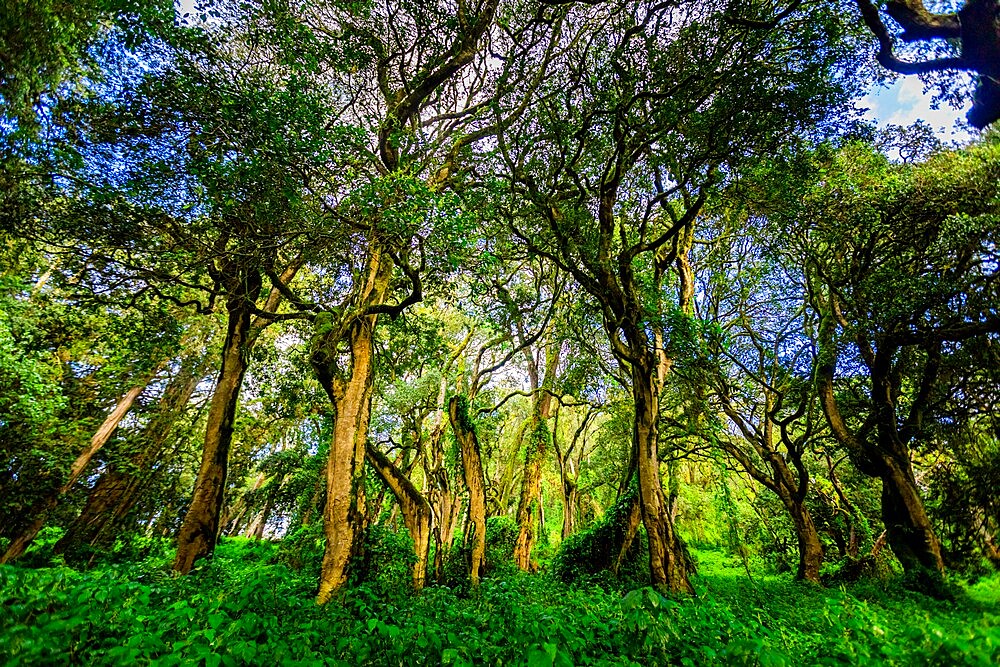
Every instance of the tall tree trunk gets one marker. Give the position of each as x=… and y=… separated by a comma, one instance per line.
x=568, y=468
x=200, y=530
x=908, y=528
x=343, y=513
x=350, y=391
x=529, y=507
x=100, y=438
x=118, y=488
x=570, y=499
x=447, y=512
x=416, y=511
x=256, y=528
x=666, y=563
x=472, y=465
x=809, y=545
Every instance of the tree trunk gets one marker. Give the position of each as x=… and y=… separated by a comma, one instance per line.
x=908, y=528
x=628, y=532
x=256, y=529
x=235, y=517
x=416, y=511
x=343, y=513
x=666, y=563
x=810, y=547
x=990, y=548
x=200, y=530
x=350, y=392
x=568, y=468
x=447, y=511
x=439, y=494
x=570, y=499
x=472, y=465
x=118, y=488
x=100, y=438
x=529, y=507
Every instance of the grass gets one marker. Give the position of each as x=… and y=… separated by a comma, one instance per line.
x=244, y=608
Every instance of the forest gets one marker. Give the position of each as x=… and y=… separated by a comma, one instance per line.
x=497, y=332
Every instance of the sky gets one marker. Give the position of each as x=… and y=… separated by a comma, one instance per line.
x=904, y=102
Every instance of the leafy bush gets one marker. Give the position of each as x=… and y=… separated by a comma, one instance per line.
x=302, y=549
x=593, y=552
x=40, y=552
x=386, y=560
x=501, y=538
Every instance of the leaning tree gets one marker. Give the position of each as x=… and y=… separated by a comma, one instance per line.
x=899, y=263
x=654, y=104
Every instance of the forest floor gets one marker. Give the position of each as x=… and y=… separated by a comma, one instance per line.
x=244, y=608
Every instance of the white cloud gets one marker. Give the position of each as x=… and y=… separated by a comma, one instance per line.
x=904, y=102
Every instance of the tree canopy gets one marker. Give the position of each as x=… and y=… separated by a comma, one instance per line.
x=425, y=294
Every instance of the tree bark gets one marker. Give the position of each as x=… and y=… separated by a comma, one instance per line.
x=809, y=545
x=529, y=506
x=20, y=542
x=200, y=530
x=780, y=480
x=990, y=548
x=235, y=517
x=472, y=465
x=416, y=511
x=343, y=514
x=666, y=563
x=886, y=453
x=908, y=528
x=350, y=392
x=570, y=499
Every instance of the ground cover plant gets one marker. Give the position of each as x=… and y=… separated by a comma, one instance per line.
x=246, y=607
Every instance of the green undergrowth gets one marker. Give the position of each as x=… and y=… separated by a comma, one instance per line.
x=248, y=607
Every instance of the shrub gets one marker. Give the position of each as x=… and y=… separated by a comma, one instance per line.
x=594, y=550
x=386, y=560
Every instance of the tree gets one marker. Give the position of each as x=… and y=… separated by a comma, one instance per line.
x=619, y=157
x=45, y=44
x=750, y=368
x=472, y=466
x=119, y=488
x=75, y=366
x=899, y=266
x=975, y=27
x=407, y=90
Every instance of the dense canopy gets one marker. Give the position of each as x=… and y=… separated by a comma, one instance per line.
x=474, y=313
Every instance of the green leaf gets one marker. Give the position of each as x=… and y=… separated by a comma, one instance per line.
x=543, y=655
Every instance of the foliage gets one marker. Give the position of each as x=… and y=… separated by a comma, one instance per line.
x=501, y=537
x=668, y=196
x=240, y=608
x=386, y=560
x=594, y=551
